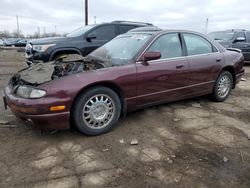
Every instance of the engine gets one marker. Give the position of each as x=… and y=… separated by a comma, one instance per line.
x=64, y=68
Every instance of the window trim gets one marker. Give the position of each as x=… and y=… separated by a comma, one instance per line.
x=185, y=45
x=151, y=43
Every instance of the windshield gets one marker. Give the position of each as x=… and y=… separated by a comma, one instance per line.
x=121, y=49
x=78, y=32
x=226, y=36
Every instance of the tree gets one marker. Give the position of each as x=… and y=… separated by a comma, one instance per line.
x=15, y=34
x=5, y=34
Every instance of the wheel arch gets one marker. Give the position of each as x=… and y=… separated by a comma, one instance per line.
x=64, y=50
x=232, y=71
x=109, y=85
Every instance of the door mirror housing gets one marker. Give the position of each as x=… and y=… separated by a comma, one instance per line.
x=90, y=37
x=240, y=39
x=149, y=56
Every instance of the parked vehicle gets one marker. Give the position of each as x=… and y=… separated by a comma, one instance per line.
x=1, y=42
x=81, y=41
x=21, y=43
x=133, y=71
x=234, y=39
x=10, y=41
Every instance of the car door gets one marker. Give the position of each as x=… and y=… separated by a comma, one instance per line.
x=205, y=61
x=99, y=36
x=163, y=79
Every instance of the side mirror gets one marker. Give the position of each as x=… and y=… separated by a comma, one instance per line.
x=149, y=56
x=90, y=37
x=240, y=39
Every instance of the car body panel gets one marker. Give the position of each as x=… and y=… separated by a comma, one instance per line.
x=161, y=80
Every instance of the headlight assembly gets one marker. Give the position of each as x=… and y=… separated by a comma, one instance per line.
x=29, y=92
x=42, y=48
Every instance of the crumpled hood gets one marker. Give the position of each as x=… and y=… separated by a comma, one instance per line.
x=37, y=74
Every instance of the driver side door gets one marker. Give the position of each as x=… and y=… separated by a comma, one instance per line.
x=164, y=79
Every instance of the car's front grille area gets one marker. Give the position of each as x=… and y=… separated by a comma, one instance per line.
x=28, y=50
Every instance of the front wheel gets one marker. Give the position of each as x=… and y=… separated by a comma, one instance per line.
x=96, y=111
x=223, y=86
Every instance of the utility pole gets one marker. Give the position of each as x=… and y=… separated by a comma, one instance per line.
x=44, y=32
x=86, y=12
x=38, y=32
x=17, y=23
x=94, y=19
x=206, y=27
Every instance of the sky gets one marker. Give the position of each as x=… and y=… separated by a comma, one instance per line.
x=63, y=16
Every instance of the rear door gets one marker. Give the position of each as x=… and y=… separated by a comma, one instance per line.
x=103, y=34
x=204, y=61
x=164, y=79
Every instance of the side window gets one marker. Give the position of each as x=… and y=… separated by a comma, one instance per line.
x=106, y=32
x=197, y=45
x=248, y=37
x=126, y=28
x=169, y=45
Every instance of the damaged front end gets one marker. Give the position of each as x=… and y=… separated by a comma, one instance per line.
x=44, y=72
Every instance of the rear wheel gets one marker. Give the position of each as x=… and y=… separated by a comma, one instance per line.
x=96, y=111
x=223, y=86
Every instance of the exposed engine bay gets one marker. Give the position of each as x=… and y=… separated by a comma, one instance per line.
x=44, y=72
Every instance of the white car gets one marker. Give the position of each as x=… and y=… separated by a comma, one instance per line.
x=1, y=42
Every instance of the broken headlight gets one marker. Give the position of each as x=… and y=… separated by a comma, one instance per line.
x=29, y=92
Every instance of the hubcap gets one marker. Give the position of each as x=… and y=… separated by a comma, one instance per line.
x=98, y=111
x=224, y=86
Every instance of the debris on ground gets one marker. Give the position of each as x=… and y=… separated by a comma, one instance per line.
x=8, y=126
x=170, y=161
x=2, y=122
x=176, y=119
x=106, y=149
x=196, y=105
x=243, y=79
x=225, y=159
x=134, y=142
x=122, y=141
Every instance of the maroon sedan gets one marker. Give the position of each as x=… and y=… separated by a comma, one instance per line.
x=132, y=71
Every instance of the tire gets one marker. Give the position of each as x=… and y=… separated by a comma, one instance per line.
x=223, y=86
x=96, y=111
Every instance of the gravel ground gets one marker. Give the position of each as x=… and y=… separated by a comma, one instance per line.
x=191, y=143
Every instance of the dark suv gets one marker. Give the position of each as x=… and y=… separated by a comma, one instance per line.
x=234, y=39
x=81, y=41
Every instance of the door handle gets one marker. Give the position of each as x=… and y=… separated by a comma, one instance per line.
x=218, y=59
x=179, y=66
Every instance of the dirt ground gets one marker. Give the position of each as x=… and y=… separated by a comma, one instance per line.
x=193, y=143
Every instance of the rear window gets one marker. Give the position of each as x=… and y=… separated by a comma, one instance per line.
x=126, y=28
